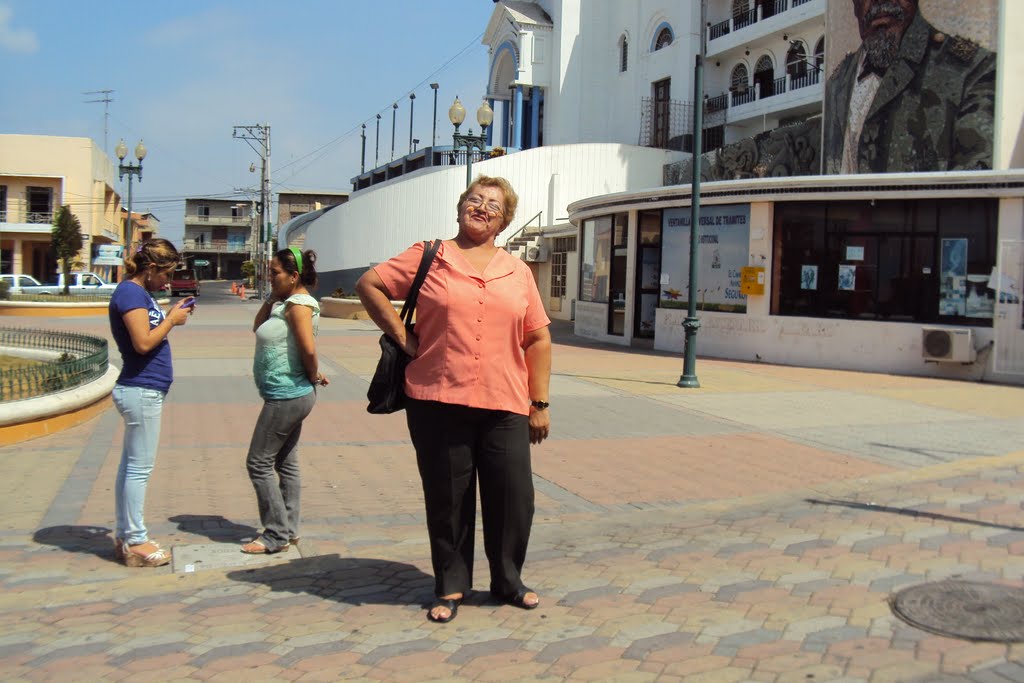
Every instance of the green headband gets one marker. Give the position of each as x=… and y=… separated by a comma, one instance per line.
x=298, y=258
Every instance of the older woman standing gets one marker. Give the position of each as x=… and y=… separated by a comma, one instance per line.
x=478, y=392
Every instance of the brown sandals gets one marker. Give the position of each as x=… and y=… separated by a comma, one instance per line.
x=148, y=554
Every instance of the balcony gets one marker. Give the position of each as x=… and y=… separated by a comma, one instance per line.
x=39, y=217
x=668, y=124
x=218, y=220
x=751, y=24
x=217, y=246
x=801, y=91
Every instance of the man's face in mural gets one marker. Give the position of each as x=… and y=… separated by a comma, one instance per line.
x=882, y=24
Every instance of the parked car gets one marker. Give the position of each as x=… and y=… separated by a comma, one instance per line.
x=184, y=282
x=15, y=283
x=81, y=283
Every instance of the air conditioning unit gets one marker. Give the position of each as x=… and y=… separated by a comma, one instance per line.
x=536, y=254
x=947, y=344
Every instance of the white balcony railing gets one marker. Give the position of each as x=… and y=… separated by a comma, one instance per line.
x=219, y=246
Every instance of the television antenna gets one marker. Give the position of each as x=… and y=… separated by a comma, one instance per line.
x=106, y=99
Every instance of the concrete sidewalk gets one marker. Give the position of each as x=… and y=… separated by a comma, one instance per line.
x=751, y=530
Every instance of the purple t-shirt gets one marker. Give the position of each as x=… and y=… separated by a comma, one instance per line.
x=150, y=370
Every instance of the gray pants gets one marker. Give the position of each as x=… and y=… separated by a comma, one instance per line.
x=273, y=465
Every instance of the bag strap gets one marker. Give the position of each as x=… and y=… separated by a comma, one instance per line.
x=429, y=251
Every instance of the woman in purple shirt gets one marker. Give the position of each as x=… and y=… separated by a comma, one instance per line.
x=140, y=328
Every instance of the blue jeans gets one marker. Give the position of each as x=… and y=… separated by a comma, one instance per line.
x=273, y=465
x=141, y=409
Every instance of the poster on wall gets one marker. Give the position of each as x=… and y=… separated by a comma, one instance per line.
x=648, y=313
x=723, y=247
x=650, y=273
x=808, y=277
x=980, y=301
x=953, y=277
x=847, y=278
x=910, y=85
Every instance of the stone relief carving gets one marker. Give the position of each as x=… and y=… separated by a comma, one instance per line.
x=787, y=151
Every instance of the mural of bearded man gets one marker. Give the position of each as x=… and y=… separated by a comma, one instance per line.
x=910, y=98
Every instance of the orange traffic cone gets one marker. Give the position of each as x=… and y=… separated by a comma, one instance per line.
x=234, y=288
x=241, y=292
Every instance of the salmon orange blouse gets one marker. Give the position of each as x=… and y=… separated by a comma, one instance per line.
x=470, y=327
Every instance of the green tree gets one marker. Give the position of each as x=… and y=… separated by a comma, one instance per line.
x=66, y=241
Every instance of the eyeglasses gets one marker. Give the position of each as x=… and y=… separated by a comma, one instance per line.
x=492, y=209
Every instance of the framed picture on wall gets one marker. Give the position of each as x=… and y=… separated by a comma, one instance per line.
x=808, y=277
x=847, y=278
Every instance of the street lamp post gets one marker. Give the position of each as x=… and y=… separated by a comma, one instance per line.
x=484, y=116
x=688, y=380
x=433, y=135
x=132, y=170
x=412, y=106
x=394, y=112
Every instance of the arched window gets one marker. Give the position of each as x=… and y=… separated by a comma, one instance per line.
x=664, y=38
x=819, y=53
x=764, y=76
x=740, y=79
x=623, y=53
x=796, y=59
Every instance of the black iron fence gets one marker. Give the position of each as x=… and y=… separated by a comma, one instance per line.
x=67, y=360
x=668, y=124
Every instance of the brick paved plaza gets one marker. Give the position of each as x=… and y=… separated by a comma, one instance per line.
x=751, y=530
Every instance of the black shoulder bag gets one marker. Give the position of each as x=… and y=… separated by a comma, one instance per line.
x=387, y=388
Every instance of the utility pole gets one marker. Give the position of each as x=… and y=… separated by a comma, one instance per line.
x=412, y=106
x=376, y=145
x=258, y=137
x=106, y=99
x=362, y=156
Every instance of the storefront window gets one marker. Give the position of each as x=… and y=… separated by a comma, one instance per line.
x=595, y=259
x=901, y=260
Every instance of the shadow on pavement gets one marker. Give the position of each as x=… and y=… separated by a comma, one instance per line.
x=911, y=513
x=350, y=580
x=214, y=527
x=94, y=540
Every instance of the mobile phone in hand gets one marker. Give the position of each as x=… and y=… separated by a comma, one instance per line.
x=188, y=302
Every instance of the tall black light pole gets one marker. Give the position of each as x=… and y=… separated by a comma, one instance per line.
x=394, y=112
x=412, y=106
x=688, y=380
x=484, y=116
x=433, y=135
x=376, y=145
x=131, y=170
x=362, y=156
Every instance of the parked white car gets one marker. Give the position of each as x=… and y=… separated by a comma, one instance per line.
x=15, y=283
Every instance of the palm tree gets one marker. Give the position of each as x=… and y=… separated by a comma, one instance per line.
x=66, y=241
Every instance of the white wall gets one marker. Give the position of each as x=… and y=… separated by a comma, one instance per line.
x=377, y=223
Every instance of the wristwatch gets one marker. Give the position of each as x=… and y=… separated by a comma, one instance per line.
x=539, y=405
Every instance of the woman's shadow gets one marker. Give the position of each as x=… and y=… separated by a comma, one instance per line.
x=92, y=540
x=214, y=527
x=348, y=580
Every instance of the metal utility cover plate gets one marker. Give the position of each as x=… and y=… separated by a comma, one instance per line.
x=204, y=556
x=964, y=609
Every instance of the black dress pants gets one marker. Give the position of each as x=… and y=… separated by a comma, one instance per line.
x=455, y=445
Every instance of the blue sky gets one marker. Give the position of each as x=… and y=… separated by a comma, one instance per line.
x=185, y=72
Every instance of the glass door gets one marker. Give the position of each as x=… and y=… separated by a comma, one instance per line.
x=648, y=274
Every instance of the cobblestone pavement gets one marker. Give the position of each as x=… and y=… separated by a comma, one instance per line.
x=751, y=530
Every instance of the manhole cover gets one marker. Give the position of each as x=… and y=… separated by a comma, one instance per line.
x=964, y=609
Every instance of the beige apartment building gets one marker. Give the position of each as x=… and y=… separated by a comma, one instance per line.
x=218, y=236
x=38, y=175
x=291, y=205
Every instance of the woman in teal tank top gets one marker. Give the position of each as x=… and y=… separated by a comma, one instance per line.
x=286, y=371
